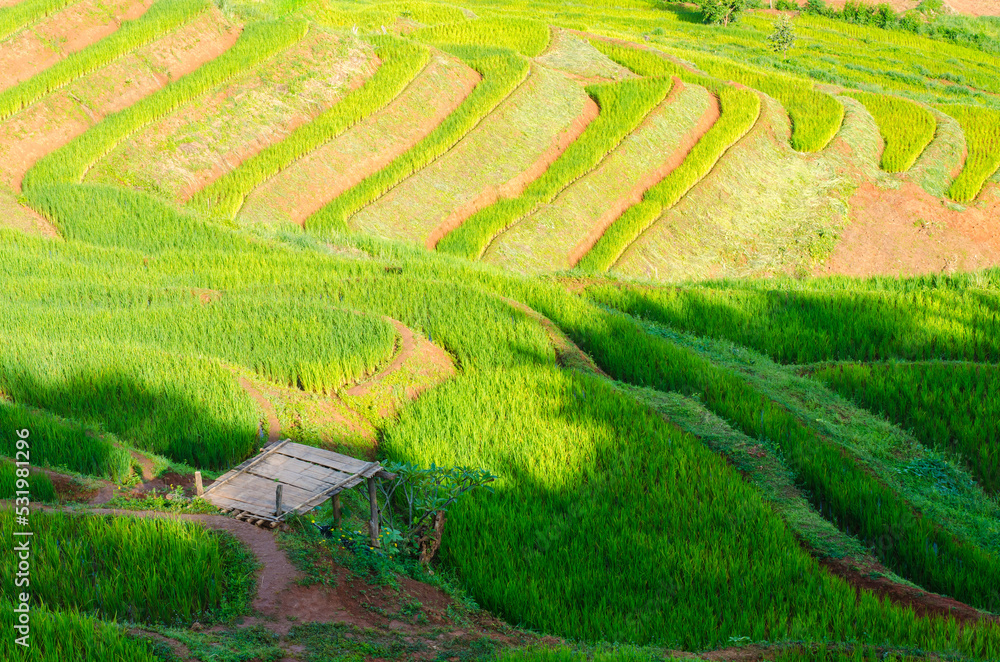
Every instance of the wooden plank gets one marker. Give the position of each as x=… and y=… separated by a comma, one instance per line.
x=250, y=484
x=334, y=489
x=287, y=469
x=240, y=505
x=325, y=458
x=249, y=463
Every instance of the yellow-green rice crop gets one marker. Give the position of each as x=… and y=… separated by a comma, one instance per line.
x=623, y=106
x=373, y=17
x=162, y=17
x=740, y=109
x=529, y=38
x=501, y=75
x=26, y=12
x=906, y=127
x=816, y=116
x=982, y=134
x=71, y=162
x=401, y=61
x=151, y=570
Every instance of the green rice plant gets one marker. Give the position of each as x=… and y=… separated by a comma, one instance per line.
x=161, y=18
x=650, y=63
x=71, y=162
x=527, y=37
x=202, y=418
x=816, y=116
x=26, y=12
x=830, y=319
x=501, y=73
x=401, y=61
x=949, y=406
x=982, y=134
x=39, y=484
x=67, y=634
x=58, y=443
x=739, y=111
x=906, y=127
x=923, y=550
x=176, y=571
x=373, y=17
x=623, y=106
x=614, y=487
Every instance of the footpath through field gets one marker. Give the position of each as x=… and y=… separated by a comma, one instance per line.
x=314, y=180
x=61, y=116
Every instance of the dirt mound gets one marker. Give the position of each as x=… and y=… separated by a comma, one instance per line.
x=908, y=231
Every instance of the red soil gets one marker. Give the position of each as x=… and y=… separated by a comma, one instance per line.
x=634, y=197
x=908, y=231
x=975, y=7
x=518, y=184
x=414, y=348
x=60, y=117
x=71, y=29
x=923, y=603
x=388, y=134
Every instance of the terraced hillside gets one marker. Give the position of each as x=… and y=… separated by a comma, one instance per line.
x=719, y=323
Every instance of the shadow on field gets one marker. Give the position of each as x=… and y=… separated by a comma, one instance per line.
x=173, y=416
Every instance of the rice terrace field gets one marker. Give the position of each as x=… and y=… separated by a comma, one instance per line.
x=677, y=325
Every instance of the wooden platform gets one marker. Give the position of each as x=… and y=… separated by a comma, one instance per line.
x=307, y=477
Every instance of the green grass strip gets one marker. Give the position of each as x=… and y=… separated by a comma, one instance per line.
x=982, y=134
x=161, y=18
x=25, y=13
x=501, y=75
x=740, y=109
x=527, y=37
x=623, y=106
x=401, y=61
x=70, y=163
x=816, y=116
x=906, y=127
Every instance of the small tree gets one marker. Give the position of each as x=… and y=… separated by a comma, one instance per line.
x=783, y=37
x=424, y=497
x=722, y=12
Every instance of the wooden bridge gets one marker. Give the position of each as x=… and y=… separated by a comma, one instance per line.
x=286, y=477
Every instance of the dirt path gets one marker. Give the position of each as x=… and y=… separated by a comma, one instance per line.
x=417, y=353
x=63, y=115
x=63, y=33
x=319, y=177
x=516, y=186
x=634, y=197
x=273, y=425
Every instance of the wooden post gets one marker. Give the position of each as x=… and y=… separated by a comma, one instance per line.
x=277, y=501
x=336, y=510
x=373, y=526
x=198, y=489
